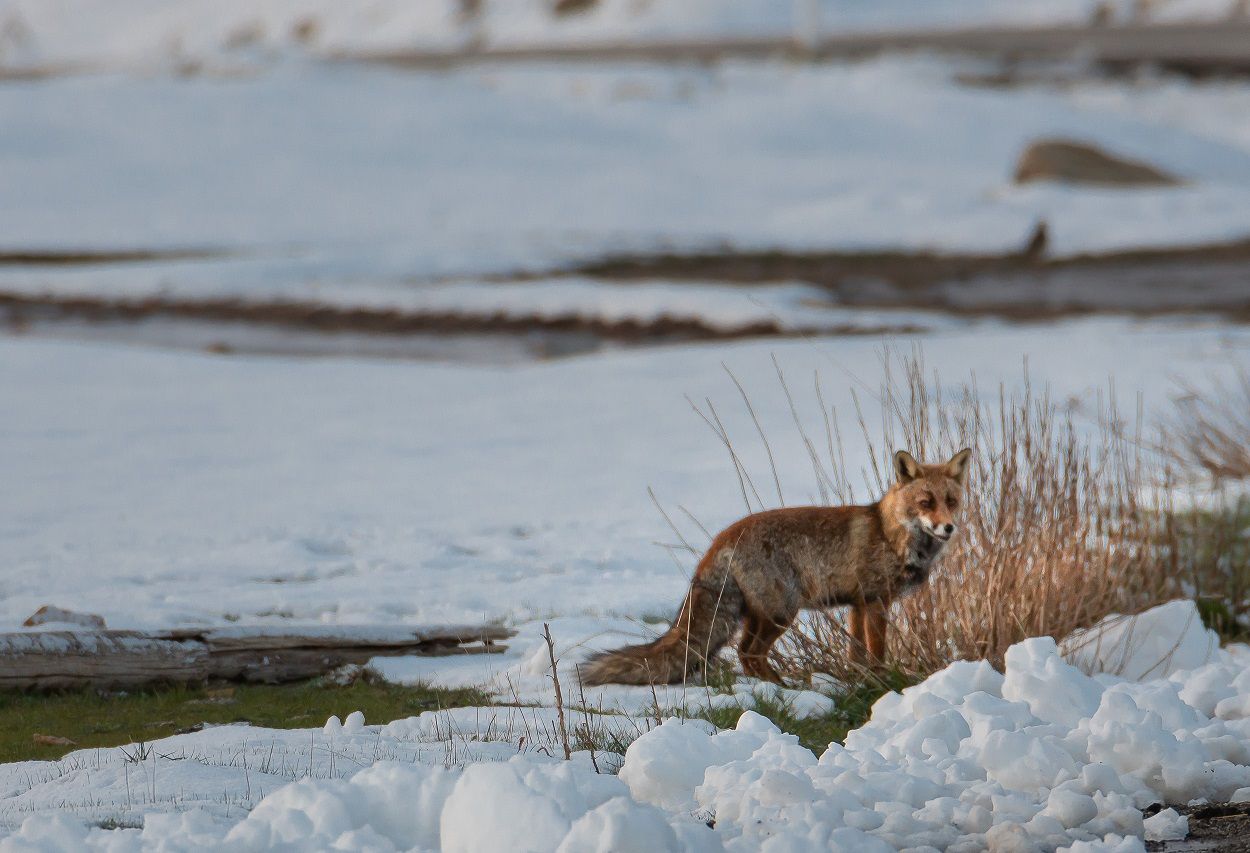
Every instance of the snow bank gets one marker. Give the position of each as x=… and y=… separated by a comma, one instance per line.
x=1040, y=757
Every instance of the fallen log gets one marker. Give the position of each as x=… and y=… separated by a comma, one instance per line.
x=49, y=659
x=257, y=654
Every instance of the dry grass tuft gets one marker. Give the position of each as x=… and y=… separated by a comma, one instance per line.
x=1211, y=432
x=1057, y=530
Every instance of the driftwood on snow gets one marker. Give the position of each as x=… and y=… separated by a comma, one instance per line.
x=107, y=658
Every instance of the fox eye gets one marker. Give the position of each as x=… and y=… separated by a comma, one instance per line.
x=951, y=502
x=927, y=503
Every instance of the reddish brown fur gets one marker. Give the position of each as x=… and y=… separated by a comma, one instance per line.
x=763, y=569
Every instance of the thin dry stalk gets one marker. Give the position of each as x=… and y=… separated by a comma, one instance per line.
x=744, y=478
x=768, y=448
x=587, y=736
x=555, y=679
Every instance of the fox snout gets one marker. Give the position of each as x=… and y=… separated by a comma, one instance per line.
x=940, y=529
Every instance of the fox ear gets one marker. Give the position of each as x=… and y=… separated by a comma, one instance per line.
x=906, y=467
x=957, y=468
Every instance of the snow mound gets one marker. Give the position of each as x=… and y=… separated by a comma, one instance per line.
x=1041, y=757
x=1166, y=639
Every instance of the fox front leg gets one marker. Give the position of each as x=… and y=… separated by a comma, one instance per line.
x=877, y=623
x=855, y=626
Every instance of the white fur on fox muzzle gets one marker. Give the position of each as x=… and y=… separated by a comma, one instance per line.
x=940, y=531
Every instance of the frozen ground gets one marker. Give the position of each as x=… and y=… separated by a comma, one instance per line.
x=332, y=181
x=144, y=36
x=1040, y=757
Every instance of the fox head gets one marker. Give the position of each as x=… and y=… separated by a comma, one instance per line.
x=928, y=498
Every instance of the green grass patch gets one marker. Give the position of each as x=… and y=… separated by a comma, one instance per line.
x=94, y=719
x=1214, y=563
x=850, y=711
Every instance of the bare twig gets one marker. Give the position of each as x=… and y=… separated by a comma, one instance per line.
x=555, y=679
x=588, y=736
x=772, y=463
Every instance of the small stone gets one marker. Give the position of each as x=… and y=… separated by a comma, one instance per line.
x=50, y=613
x=52, y=740
x=1072, y=162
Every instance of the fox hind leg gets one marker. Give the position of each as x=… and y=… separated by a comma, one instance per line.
x=758, y=636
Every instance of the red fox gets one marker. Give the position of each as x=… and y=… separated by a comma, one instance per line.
x=762, y=570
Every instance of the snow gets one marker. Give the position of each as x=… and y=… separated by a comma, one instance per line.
x=361, y=486
x=523, y=673
x=969, y=758
x=346, y=493
x=1167, y=639
x=183, y=490
x=347, y=183
x=1167, y=825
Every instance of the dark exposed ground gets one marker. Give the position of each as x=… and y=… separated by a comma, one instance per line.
x=92, y=257
x=1016, y=287
x=1200, y=48
x=221, y=325
x=1209, y=280
x=1216, y=828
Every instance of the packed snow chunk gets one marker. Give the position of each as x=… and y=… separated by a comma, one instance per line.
x=665, y=765
x=355, y=723
x=1022, y=761
x=398, y=804
x=620, y=826
x=1205, y=687
x=1167, y=825
x=1071, y=808
x=1241, y=795
x=55, y=833
x=1136, y=744
x=1234, y=707
x=1165, y=639
x=1055, y=691
x=985, y=713
x=768, y=795
x=333, y=726
x=1163, y=698
x=1010, y=838
x=941, y=690
x=821, y=839
x=521, y=805
x=195, y=830
x=1110, y=843
x=934, y=736
x=1118, y=814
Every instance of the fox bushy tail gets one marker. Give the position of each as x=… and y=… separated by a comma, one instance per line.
x=707, y=620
